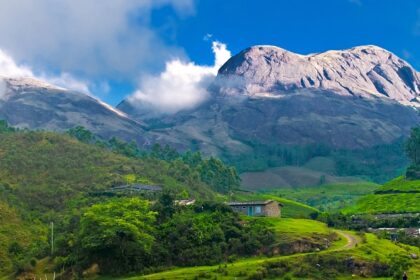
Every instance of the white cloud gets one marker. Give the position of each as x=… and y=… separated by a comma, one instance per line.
x=10, y=69
x=67, y=81
x=91, y=39
x=182, y=85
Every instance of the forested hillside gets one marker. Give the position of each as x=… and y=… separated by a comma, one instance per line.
x=48, y=177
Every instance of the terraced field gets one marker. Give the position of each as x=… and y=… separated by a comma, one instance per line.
x=397, y=196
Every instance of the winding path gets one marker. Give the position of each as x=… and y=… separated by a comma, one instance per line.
x=352, y=240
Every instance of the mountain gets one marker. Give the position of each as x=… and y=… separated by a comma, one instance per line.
x=33, y=104
x=364, y=71
x=268, y=106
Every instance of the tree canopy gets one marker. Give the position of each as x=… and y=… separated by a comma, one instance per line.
x=119, y=230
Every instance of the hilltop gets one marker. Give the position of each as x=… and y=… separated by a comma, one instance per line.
x=398, y=196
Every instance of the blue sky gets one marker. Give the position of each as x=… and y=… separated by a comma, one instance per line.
x=303, y=26
x=113, y=49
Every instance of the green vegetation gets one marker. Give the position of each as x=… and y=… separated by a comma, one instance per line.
x=412, y=149
x=400, y=185
x=379, y=163
x=300, y=235
x=386, y=203
x=371, y=258
x=51, y=177
x=122, y=236
x=68, y=179
x=400, y=195
x=18, y=240
x=117, y=235
x=328, y=197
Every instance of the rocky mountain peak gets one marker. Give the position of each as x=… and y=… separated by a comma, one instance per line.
x=365, y=71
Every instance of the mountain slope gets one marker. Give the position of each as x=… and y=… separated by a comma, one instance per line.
x=270, y=107
x=33, y=104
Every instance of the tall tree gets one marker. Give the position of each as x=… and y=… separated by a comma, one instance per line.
x=412, y=146
x=118, y=235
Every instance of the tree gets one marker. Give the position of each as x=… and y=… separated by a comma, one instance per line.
x=4, y=127
x=412, y=146
x=117, y=234
x=82, y=134
x=217, y=175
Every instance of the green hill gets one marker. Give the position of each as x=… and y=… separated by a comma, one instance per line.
x=330, y=197
x=44, y=175
x=400, y=185
x=397, y=196
x=43, y=170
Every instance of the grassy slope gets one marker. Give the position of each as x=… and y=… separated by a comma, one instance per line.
x=329, y=197
x=372, y=249
x=290, y=230
x=400, y=184
x=386, y=203
x=397, y=196
x=291, y=209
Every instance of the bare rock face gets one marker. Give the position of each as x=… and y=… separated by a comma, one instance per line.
x=33, y=104
x=365, y=71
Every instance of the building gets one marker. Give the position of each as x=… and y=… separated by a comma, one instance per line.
x=268, y=208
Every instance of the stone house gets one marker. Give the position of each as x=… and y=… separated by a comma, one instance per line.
x=268, y=208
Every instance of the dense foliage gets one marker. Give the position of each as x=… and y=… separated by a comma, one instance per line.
x=412, y=149
x=378, y=163
x=47, y=176
x=212, y=171
x=118, y=235
x=122, y=235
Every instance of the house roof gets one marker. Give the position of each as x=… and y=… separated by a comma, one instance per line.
x=252, y=203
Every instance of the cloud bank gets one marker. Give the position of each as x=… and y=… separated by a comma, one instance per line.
x=182, y=85
x=10, y=69
x=90, y=39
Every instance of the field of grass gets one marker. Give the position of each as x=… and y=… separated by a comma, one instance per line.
x=368, y=251
x=300, y=235
x=397, y=196
x=386, y=203
x=290, y=176
x=400, y=184
x=328, y=197
x=291, y=209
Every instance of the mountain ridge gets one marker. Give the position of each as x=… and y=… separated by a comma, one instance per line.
x=363, y=71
